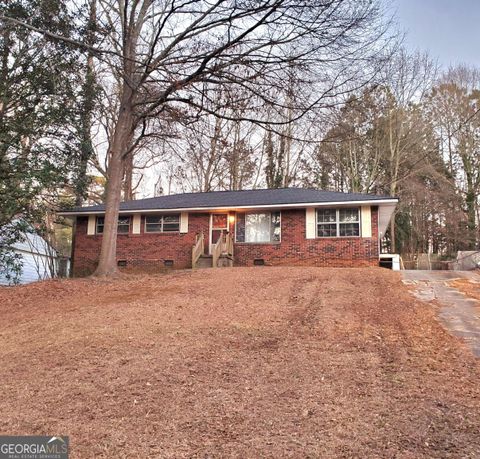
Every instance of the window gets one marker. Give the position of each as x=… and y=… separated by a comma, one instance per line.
x=100, y=225
x=162, y=223
x=122, y=228
x=349, y=222
x=123, y=225
x=258, y=227
x=326, y=223
x=343, y=222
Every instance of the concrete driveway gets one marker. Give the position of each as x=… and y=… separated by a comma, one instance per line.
x=458, y=313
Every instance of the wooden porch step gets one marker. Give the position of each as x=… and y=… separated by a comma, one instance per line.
x=205, y=261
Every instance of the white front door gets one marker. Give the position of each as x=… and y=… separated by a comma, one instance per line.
x=218, y=223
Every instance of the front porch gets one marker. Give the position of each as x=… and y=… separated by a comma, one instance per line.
x=221, y=252
x=216, y=248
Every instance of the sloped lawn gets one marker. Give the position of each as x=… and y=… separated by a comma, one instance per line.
x=242, y=362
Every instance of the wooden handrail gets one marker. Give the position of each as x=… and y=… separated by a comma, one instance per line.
x=197, y=249
x=229, y=244
x=223, y=246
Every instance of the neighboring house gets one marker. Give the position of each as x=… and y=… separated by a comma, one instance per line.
x=287, y=226
x=40, y=260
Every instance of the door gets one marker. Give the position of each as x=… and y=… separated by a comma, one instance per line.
x=218, y=223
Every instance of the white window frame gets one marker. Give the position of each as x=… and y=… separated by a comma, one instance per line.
x=103, y=224
x=259, y=212
x=337, y=222
x=161, y=223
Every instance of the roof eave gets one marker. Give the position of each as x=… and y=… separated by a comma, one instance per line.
x=219, y=208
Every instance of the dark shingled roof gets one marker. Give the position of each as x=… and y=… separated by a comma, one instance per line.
x=244, y=198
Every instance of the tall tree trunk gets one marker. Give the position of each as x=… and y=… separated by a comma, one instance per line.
x=394, y=147
x=235, y=159
x=128, y=192
x=270, y=166
x=86, y=145
x=128, y=177
x=107, y=265
x=469, y=168
x=471, y=218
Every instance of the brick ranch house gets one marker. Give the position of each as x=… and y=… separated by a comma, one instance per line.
x=287, y=226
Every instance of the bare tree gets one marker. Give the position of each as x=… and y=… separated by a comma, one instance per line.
x=171, y=51
x=240, y=157
x=166, y=53
x=355, y=143
x=409, y=78
x=217, y=152
x=455, y=110
x=381, y=137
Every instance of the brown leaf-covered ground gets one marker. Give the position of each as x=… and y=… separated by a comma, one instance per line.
x=239, y=362
x=471, y=289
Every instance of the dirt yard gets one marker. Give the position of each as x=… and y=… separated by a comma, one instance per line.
x=242, y=362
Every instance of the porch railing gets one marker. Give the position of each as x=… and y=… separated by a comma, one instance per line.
x=223, y=246
x=229, y=244
x=198, y=248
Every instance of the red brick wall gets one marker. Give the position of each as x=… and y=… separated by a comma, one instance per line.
x=295, y=249
x=148, y=251
x=144, y=251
